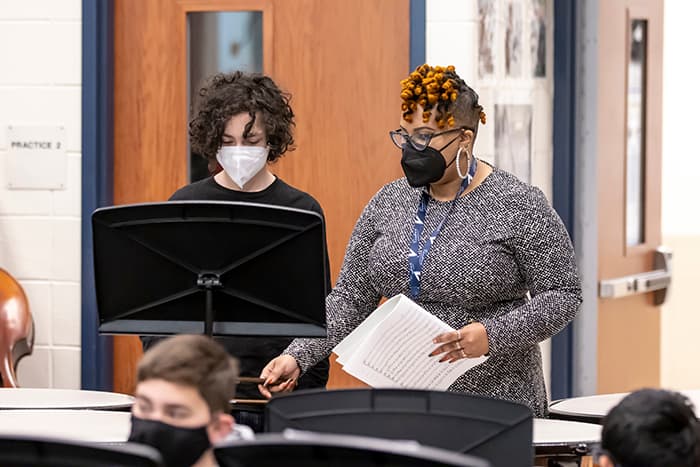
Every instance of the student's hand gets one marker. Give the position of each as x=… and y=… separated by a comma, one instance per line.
x=280, y=375
x=469, y=342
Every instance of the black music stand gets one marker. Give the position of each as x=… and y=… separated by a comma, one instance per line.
x=217, y=268
x=495, y=430
x=306, y=449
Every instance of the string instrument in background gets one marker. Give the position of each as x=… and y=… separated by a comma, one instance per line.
x=16, y=328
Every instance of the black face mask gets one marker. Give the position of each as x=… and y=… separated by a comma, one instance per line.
x=424, y=167
x=180, y=447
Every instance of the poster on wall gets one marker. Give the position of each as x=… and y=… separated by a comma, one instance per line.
x=538, y=38
x=513, y=124
x=487, y=36
x=513, y=40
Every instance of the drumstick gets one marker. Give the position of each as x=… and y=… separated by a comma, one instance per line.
x=248, y=401
x=250, y=380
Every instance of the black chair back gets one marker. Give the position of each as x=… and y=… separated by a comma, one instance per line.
x=39, y=452
x=495, y=430
x=307, y=449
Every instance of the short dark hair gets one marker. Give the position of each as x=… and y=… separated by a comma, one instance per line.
x=195, y=361
x=227, y=94
x=652, y=428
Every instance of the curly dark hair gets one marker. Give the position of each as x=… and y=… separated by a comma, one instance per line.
x=227, y=94
x=441, y=88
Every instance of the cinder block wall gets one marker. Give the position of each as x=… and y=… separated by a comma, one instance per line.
x=40, y=84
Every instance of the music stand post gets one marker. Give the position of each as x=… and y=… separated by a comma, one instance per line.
x=229, y=269
x=208, y=282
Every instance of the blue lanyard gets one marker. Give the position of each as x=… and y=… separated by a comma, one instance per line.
x=416, y=255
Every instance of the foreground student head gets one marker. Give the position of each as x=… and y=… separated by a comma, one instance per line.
x=651, y=428
x=184, y=385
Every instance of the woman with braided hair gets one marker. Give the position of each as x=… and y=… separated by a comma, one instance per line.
x=242, y=123
x=470, y=243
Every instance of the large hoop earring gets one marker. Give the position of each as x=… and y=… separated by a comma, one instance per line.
x=459, y=171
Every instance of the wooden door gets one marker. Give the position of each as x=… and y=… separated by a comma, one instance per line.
x=342, y=60
x=629, y=205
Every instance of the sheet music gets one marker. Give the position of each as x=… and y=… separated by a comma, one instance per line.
x=355, y=339
x=390, y=349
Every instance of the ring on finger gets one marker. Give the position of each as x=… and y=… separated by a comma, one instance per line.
x=464, y=354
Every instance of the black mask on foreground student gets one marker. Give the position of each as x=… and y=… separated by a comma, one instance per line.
x=179, y=447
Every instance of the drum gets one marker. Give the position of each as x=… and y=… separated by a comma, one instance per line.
x=558, y=441
x=97, y=426
x=27, y=398
x=592, y=409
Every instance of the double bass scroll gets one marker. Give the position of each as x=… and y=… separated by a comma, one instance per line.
x=16, y=328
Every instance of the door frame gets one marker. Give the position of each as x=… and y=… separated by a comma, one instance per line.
x=98, y=158
x=564, y=171
x=586, y=212
x=96, y=182
x=585, y=339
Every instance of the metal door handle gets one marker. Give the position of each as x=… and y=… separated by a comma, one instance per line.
x=657, y=281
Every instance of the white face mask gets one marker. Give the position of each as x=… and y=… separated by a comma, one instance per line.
x=241, y=163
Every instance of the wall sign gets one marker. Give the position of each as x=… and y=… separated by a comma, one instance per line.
x=36, y=157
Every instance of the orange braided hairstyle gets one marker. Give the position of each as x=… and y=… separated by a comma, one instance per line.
x=440, y=88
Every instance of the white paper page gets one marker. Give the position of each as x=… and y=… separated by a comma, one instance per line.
x=396, y=353
x=356, y=338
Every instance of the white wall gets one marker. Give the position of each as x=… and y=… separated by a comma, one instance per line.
x=40, y=77
x=680, y=192
x=452, y=38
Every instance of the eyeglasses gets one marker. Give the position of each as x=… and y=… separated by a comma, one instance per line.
x=420, y=140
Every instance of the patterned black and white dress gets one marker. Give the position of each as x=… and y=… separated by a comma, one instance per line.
x=501, y=241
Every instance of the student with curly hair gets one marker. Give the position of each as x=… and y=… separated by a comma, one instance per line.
x=243, y=123
x=470, y=243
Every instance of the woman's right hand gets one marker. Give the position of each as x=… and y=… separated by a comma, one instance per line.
x=280, y=375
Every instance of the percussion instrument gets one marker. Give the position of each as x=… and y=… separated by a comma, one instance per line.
x=592, y=409
x=75, y=425
x=88, y=426
x=558, y=441
x=33, y=399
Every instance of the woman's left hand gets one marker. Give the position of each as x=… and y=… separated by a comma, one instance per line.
x=469, y=342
